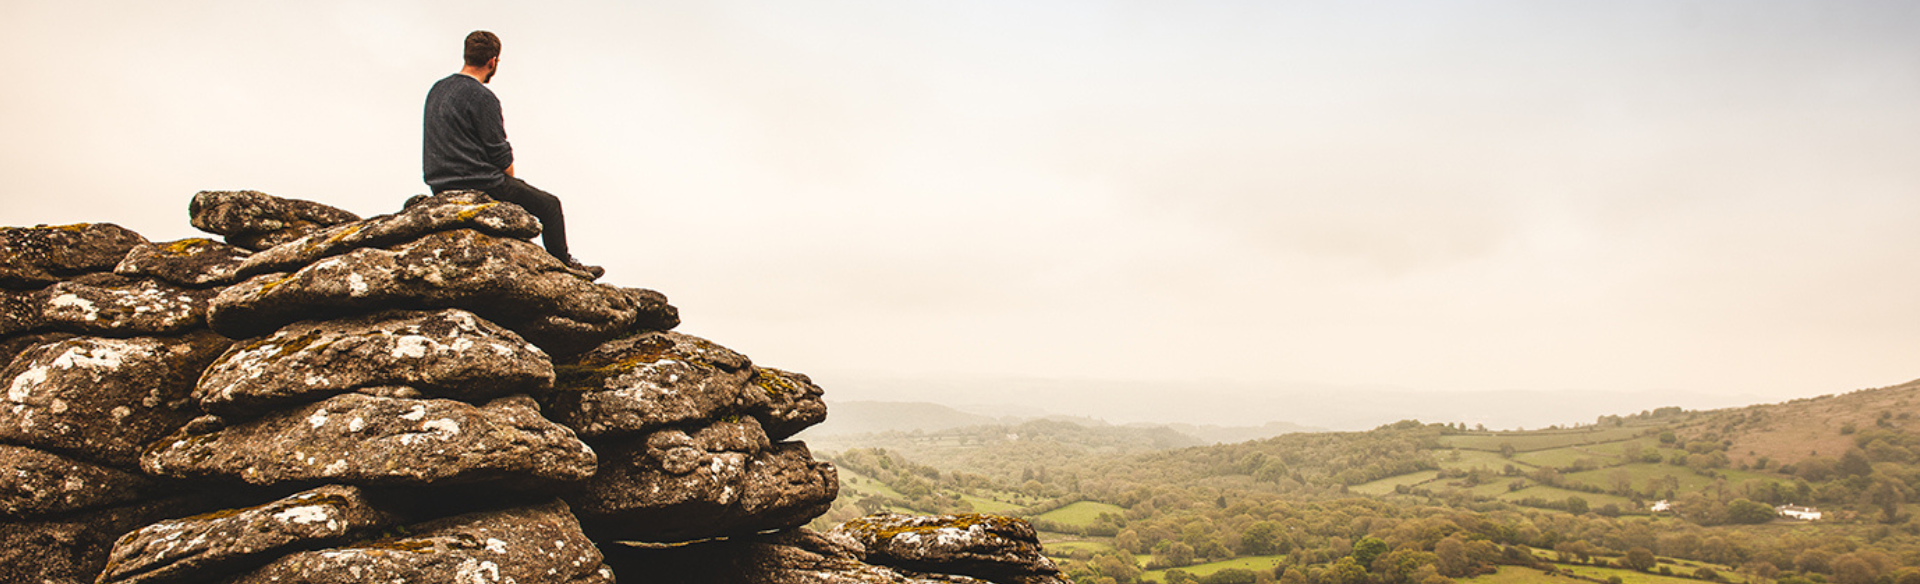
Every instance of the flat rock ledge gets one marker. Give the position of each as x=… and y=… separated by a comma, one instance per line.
x=102, y=399
x=508, y=281
x=792, y=403
x=646, y=382
x=363, y=439
x=204, y=547
x=257, y=221
x=538, y=544
x=194, y=263
x=33, y=257
x=113, y=305
x=799, y=556
x=443, y=212
x=723, y=479
x=38, y=483
x=1005, y=550
x=448, y=353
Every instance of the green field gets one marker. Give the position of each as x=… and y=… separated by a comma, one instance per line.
x=1541, y=440
x=1520, y=575
x=1385, y=486
x=1081, y=513
x=1633, y=577
x=1063, y=549
x=1255, y=563
x=1642, y=472
x=857, y=484
x=1472, y=459
x=1594, y=500
x=1563, y=457
x=986, y=505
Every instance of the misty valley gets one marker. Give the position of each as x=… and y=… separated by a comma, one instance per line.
x=1817, y=490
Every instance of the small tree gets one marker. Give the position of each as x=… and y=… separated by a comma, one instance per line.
x=1641, y=559
x=1749, y=512
x=1367, y=549
x=1576, y=505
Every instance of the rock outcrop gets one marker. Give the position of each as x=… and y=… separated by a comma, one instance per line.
x=424, y=396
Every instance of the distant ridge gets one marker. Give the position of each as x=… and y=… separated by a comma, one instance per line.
x=866, y=417
x=869, y=417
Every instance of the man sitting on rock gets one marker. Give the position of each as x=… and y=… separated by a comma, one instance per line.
x=466, y=145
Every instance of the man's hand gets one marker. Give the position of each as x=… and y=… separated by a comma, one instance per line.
x=509, y=170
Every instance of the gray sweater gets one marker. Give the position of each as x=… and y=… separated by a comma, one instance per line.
x=465, y=145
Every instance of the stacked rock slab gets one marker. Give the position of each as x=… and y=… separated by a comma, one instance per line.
x=423, y=396
x=99, y=364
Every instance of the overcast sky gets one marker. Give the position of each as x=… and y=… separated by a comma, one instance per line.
x=1711, y=197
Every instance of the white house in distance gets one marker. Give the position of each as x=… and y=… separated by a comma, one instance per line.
x=1660, y=506
x=1798, y=512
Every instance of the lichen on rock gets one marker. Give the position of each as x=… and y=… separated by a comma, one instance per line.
x=540, y=543
x=508, y=281
x=207, y=546
x=33, y=257
x=792, y=402
x=992, y=547
x=109, y=304
x=195, y=263
x=362, y=439
x=103, y=399
x=721, y=479
x=445, y=353
x=443, y=212
x=644, y=382
x=38, y=483
x=256, y=220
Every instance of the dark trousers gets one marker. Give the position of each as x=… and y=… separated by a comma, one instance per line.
x=553, y=223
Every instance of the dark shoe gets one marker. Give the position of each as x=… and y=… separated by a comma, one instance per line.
x=595, y=271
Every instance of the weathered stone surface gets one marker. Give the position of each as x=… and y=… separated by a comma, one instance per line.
x=362, y=439
x=72, y=549
x=443, y=212
x=194, y=263
x=253, y=218
x=508, y=281
x=37, y=483
x=32, y=257
x=720, y=480
x=540, y=544
x=800, y=556
x=101, y=399
x=1001, y=549
x=204, y=547
x=19, y=311
x=793, y=403
x=649, y=381
x=108, y=304
x=15, y=345
x=446, y=353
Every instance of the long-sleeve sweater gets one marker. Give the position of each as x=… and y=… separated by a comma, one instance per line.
x=465, y=144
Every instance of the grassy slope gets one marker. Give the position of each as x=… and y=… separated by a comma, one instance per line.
x=1793, y=431
x=1081, y=513
x=1386, y=486
x=1255, y=563
x=1541, y=439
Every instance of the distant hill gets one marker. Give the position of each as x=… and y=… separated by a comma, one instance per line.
x=1232, y=434
x=853, y=418
x=866, y=417
x=1824, y=426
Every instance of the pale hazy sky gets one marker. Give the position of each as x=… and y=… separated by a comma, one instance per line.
x=1714, y=197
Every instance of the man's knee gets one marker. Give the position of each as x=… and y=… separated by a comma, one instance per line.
x=520, y=193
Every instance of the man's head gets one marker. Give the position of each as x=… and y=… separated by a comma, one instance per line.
x=482, y=54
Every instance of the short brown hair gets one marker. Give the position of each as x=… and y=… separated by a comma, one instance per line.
x=482, y=46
